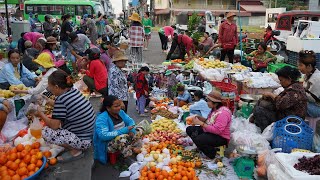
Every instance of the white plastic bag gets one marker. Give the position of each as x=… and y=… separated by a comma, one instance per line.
x=135, y=176
x=316, y=143
x=12, y=128
x=125, y=174
x=133, y=168
x=140, y=157
x=268, y=132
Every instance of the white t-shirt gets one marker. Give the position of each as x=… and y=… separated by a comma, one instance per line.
x=180, y=77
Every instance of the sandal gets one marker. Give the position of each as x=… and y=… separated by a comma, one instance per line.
x=68, y=157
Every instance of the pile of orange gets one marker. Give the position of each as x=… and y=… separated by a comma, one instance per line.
x=158, y=147
x=179, y=171
x=21, y=162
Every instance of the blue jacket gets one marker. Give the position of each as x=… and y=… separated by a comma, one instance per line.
x=201, y=106
x=186, y=96
x=104, y=133
x=7, y=74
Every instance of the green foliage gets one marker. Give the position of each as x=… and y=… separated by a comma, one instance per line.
x=290, y=4
x=193, y=24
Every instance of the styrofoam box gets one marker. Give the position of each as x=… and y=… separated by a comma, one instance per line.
x=286, y=162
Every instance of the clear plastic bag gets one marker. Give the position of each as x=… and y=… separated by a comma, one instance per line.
x=145, y=126
x=268, y=132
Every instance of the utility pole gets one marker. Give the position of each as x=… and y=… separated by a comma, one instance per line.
x=152, y=14
x=7, y=16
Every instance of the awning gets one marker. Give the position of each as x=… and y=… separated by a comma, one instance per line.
x=162, y=11
x=253, y=8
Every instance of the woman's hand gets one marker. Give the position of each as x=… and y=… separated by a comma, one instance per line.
x=270, y=95
x=19, y=91
x=196, y=121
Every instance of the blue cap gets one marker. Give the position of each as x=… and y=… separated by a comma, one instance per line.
x=85, y=16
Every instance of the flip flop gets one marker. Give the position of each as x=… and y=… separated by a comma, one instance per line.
x=68, y=157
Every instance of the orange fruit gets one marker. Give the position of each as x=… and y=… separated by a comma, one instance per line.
x=183, y=173
x=160, y=177
x=144, y=174
x=53, y=161
x=27, y=159
x=171, y=174
x=184, y=178
x=198, y=164
x=145, y=168
x=11, y=172
x=47, y=154
x=6, y=177
x=31, y=167
x=3, y=168
x=46, y=166
x=23, y=164
x=22, y=171
x=33, y=159
x=33, y=152
x=175, y=170
x=189, y=175
x=36, y=169
x=3, y=159
x=36, y=145
x=13, y=156
x=177, y=177
x=18, y=155
x=20, y=147
x=153, y=169
x=14, y=166
x=39, y=155
x=39, y=163
x=164, y=173
x=23, y=153
x=18, y=161
x=151, y=175
x=31, y=173
x=16, y=177
x=28, y=148
x=13, y=150
x=24, y=177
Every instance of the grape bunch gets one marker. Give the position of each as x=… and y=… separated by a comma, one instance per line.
x=309, y=165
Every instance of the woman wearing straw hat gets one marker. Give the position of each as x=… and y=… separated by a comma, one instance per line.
x=213, y=131
x=117, y=82
x=136, y=35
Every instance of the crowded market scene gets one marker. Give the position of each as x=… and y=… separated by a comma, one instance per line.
x=159, y=90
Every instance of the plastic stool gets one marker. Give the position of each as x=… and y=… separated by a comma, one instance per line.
x=113, y=157
x=313, y=123
x=221, y=151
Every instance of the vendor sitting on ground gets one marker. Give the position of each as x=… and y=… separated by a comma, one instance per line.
x=259, y=59
x=15, y=73
x=291, y=101
x=307, y=65
x=213, y=131
x=114, y=130
x=5, y=109
x=73, y=118
x=200, y=107
x=47, y=67
x=96, y=77
x=184, y=97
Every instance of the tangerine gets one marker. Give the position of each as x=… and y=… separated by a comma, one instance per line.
x=16, y=177
x=23, y=153
x=153, y=169
x=47, y=154
x=151, y=175
x=24, y=177
x=36, y=145
x=39, y=155
x=22, y=171
x=39, y=163
x=13, y=150
x=177, y=177
x=33, y=159
x=18, y=161
x=46, y=166
x=160, y=177
x=12, y=156
x=164, y=173
x=28, y=148
x=27, y=159
x=184, y=178
x=11, y=172
x=6, y=177
x=144, y=174
x=20, y=147
x=31, y=173
x=31, y=167
x=53, y=161
x=3, y=159
x=23, y=164
x=14, y=166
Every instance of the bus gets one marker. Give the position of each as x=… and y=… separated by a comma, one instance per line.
x=56, y=8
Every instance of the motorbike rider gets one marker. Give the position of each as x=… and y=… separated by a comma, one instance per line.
x=79, y=43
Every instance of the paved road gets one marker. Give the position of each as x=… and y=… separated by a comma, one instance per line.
x=152, y=56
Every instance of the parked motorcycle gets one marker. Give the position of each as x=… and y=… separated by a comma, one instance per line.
x=122, y=33
x=274, y=43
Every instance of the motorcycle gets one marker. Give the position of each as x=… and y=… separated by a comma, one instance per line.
x=273, y=42
x=116, y=39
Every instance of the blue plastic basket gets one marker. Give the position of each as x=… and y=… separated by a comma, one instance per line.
x=36, y=174
x=292, y=132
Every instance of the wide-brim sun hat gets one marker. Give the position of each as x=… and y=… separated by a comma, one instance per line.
x=231, y=14
x=44, y=60
x=215, y=96
x=51, y=40
x=119, y=56
x=135, y=17
x=168, y=72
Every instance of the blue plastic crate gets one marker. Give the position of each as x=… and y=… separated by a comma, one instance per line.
x=292, y=132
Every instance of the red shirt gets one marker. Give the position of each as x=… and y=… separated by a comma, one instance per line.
x=98, y=71
x=188, y=43
x=141, y=85
x=267, y=36
x=228, y=33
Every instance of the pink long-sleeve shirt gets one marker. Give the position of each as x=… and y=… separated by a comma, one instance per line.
x=168, y=31
x=219, y=122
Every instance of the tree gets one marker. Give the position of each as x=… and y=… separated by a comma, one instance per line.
x=290, y=4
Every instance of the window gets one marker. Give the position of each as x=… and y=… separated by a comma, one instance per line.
x=70, y=9
x=272, y=17
x=29, y=9
x=55, y=10
x=82, y=10
x=284, y=22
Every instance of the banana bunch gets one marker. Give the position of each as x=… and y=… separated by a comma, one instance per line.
x=6, y=93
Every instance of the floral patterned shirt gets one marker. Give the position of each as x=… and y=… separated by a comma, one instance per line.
x=117, y=83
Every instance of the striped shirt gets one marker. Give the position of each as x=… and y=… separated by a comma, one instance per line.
x=136, y=34
x=76, y=114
